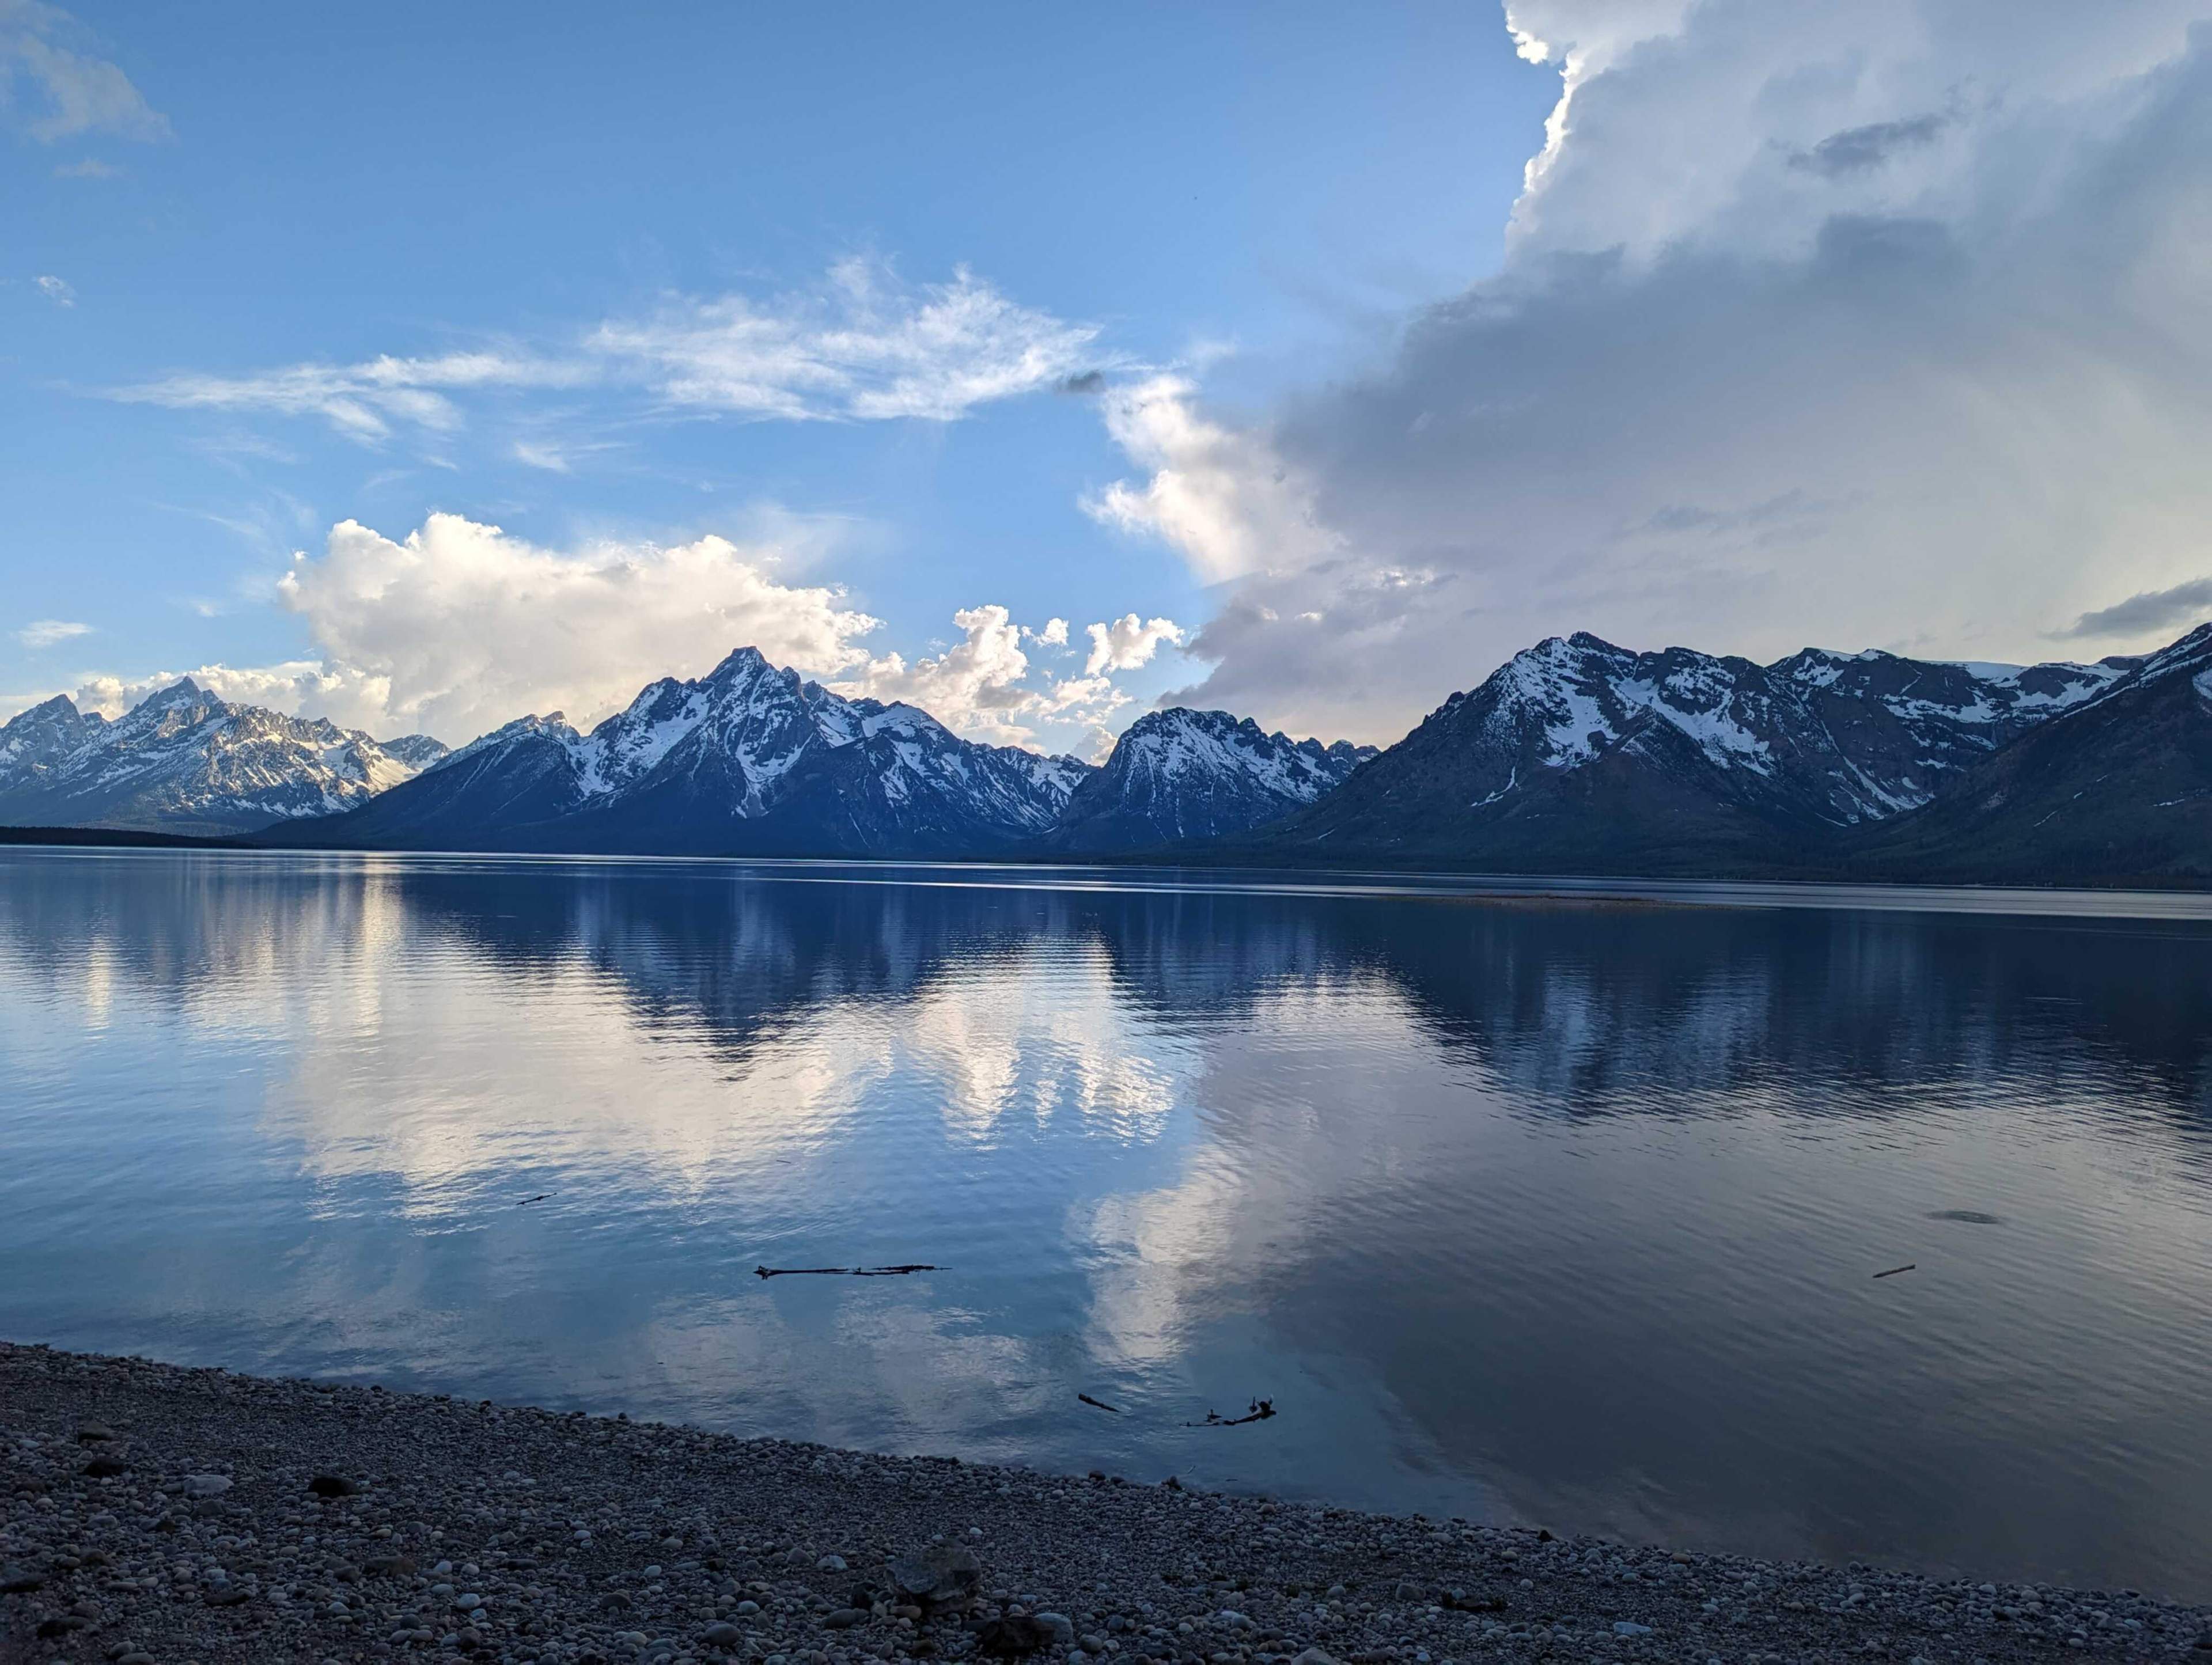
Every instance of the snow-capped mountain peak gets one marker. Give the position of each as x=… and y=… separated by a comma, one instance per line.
x=1585, y=695
x=1840, y=738
x=1180, y=775
x=41, y=735
x=749, y=758
x=184, y=760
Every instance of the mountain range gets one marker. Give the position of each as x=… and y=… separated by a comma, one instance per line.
x=183, y=761
x=1576, y=755
x=1579, y=756
x=748, y=760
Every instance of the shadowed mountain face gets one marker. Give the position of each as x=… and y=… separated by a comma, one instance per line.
x=185, y=762
x=1181, y=776
x=1541, y=1210
x=2121, y=789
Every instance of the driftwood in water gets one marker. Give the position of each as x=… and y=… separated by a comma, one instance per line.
x=841, y=1271
x=1261, y=1411
x=1100, y=1403
x=1894, y=1270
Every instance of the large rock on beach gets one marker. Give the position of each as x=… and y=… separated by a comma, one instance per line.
x=937, y=1573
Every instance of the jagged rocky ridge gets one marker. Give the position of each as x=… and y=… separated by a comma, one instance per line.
x=1183, y=775
x=1577, y=755
x=183, y=761
x=748, y=760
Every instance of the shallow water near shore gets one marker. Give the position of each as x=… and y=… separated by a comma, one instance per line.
x=1561, y=1208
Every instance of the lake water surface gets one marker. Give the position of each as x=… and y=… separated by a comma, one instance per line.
x=1557, y=1209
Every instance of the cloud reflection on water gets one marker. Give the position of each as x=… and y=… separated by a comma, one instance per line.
x=1562, y=1212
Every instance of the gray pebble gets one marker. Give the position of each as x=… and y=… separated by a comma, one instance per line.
x=1062, y=1627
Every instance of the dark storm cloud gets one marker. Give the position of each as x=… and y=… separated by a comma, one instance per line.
x=1855, y=149
x=1934, y=415
x=2147, y=610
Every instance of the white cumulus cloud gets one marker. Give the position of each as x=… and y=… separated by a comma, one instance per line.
x=296, y=685
x=976, y=687
x=459, y=627
x=55, y=289
x=1129, y=643
x=1218, y=493
x=982, y=687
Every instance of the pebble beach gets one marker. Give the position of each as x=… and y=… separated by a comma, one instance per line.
x=154, y=1515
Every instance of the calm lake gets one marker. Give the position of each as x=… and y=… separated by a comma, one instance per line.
x=1555, y=1209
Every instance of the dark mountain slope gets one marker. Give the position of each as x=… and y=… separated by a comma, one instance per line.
x=2117, y=791
x=1180, y=775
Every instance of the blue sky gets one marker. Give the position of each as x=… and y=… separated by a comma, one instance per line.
x=1258, y=193
x=423, y=366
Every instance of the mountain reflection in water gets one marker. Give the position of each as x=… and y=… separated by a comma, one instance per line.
x=1557, y=1209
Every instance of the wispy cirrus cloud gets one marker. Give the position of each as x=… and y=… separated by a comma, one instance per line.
x=70, y=92
x=860, y=346
x=361, y=401
x=55, y=289
x=47, y=632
